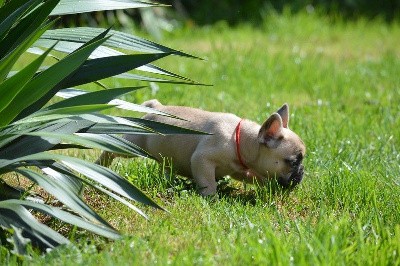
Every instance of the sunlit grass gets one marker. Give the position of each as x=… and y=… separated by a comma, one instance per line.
x=341, y=81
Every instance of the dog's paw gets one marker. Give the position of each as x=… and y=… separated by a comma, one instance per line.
x=211, y=198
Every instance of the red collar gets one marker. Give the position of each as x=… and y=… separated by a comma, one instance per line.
x=237, y=142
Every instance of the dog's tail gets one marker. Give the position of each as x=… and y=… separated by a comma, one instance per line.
x=152, y=103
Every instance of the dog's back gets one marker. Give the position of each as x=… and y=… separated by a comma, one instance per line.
x=176, y=146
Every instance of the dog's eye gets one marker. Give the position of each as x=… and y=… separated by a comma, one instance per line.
x=294, y=162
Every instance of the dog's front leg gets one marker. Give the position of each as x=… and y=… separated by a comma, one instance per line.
x=203, y=171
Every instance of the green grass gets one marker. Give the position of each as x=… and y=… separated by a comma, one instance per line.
x=342, y=83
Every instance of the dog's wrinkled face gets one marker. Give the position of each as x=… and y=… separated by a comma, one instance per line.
x=295, y=175
x=281, y=150
x=290, y=159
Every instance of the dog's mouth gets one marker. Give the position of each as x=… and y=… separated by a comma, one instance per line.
x=294, y=178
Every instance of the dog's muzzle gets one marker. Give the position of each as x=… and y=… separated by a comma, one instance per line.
x=294, y=179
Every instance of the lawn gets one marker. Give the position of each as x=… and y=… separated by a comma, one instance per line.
x=342, y=83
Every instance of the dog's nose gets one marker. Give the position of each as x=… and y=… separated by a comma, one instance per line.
x=300, y=170
x=297, y=176
x=294, y=179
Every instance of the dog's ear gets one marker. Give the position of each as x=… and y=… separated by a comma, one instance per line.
x=284, y=113
x=270, y=133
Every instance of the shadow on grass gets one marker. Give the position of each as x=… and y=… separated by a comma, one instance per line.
x=256, y=194
x=229, y=190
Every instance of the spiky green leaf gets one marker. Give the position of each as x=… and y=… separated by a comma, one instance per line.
x=119, y=40
x=15, y=214
x=67, y=7
x=64, y=195
x=70, y=218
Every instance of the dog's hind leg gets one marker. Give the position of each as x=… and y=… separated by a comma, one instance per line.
x=106, y=158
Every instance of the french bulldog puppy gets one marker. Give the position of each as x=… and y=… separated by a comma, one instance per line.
x=236, y=147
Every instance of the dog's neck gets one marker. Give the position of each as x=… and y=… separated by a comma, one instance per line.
x=237, y=145
x=245, y=137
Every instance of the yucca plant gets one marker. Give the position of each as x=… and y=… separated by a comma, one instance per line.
x=41, y=111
